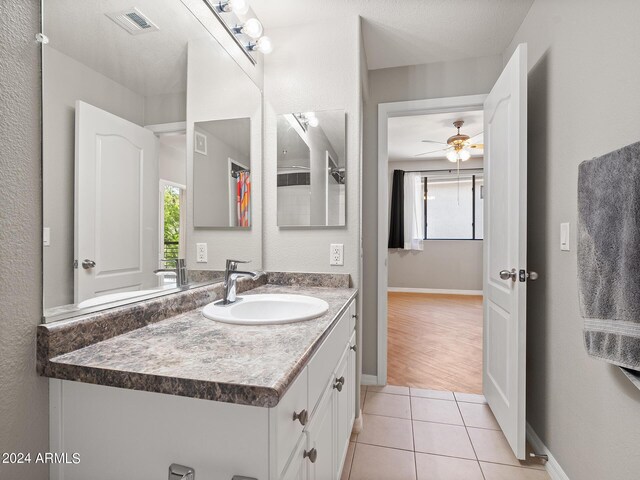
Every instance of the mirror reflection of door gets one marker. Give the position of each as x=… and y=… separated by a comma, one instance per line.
x=116, y=165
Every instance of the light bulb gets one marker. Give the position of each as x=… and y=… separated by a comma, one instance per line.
x=240, y=7
x=264, y=45
x=252, y=28
x=452, y=156
x=313, y=121
x=464, y=155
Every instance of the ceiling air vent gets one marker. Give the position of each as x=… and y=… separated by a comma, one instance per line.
x=133, y=21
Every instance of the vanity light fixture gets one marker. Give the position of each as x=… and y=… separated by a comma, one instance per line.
x=263, y=45
x=247, y=33
x=252, y=28
x=307, y=120
x=239, y=7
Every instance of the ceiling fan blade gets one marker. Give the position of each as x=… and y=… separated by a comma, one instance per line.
x=433, y=141
x=432, y=151
x=477, y=145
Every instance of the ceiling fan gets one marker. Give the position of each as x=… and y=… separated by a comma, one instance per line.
x=458, y=146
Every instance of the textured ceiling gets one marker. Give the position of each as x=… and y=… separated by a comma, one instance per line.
x=151, y=63
x=411, y=32
x=406, y=134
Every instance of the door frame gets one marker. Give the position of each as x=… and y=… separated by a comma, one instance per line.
x=386, y=111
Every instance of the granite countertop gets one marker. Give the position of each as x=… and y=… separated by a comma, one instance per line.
x=192, y=356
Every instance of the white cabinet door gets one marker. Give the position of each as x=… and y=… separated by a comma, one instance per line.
x=322, y=441
x=298, y=467
x=344, y=406
x=505, y=249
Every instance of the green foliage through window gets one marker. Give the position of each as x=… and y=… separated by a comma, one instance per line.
x=171, y=222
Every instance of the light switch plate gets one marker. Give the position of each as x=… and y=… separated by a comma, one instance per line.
x=201, y=253
x=564, y=237
x=336, y=254
x=46, y=237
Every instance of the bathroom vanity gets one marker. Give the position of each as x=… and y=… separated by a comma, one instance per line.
x=263, y=402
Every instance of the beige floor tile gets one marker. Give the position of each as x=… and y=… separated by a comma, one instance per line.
x=346, y=469
x=380, y=463
x=494, y=471
x=436, y=467
x=442, y=439
x=388, y=405
x=470, y=398
x=387, y=432
x=363, y=395
x=392, y=389
x=478, y=415
x=433, y=410
x=492, y=446
x=426, y=393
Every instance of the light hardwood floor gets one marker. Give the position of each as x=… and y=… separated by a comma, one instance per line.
x=435, y=341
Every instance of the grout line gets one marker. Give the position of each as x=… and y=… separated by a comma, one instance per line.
x=413, y=438
x=466, y=429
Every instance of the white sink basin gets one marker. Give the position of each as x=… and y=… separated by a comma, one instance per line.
x=267, y=309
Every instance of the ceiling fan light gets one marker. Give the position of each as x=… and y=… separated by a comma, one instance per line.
x=464, y=155
x=452, y=156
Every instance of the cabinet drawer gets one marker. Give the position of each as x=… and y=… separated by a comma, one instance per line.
x=352, y=315
x=287, y=428
x=325, y=360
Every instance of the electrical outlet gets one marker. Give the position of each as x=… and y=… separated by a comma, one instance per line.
x=201, y=253
x=336, y=254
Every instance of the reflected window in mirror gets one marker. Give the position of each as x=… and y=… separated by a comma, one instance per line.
x=311, y=169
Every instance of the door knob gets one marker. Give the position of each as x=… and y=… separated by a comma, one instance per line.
x=312, y=455
x=87, y=264
x=506, y=274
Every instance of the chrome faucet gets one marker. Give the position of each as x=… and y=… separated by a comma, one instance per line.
x=180, y=271
x=231, y=275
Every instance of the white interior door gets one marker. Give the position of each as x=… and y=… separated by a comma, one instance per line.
x=116, y=204
x=505, y=244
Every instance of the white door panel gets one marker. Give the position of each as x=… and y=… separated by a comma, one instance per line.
x=505, y=127
x=116, y=206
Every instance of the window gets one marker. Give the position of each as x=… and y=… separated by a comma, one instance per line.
x=453, y=206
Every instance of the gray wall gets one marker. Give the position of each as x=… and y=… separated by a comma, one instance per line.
x=467, y=77
x=442, y=264
x=24, y=421
x=584, y=101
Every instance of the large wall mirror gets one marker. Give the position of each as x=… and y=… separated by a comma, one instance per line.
x=311, y=169
x=133, y=93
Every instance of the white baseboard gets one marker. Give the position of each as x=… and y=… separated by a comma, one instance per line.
x=441, y=291
x=553, y=467
x=369, y=379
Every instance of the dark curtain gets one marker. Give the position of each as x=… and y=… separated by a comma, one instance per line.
x=396, y=227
